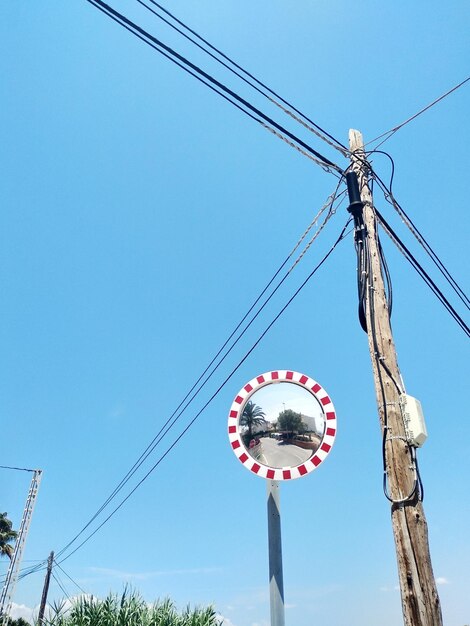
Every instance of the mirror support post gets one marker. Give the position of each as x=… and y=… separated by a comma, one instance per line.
x=276, y=584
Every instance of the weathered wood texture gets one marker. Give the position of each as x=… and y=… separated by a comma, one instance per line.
x=420, y=600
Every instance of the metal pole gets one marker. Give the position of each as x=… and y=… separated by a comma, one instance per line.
x=276, y=584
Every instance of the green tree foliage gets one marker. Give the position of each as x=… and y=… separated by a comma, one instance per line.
x=129, y=609
x=7, y=536
x=15, y=622
x=290, y=421
x=253, y=415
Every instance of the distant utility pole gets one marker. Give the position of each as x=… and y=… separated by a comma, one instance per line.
x=45, y=590
x=11, y=577
x=420, y=601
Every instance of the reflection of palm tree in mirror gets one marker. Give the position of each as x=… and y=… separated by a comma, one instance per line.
x=252, y=416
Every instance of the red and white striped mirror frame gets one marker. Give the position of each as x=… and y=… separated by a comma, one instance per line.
x=236, y=410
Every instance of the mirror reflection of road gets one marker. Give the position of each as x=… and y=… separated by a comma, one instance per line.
x=276, y=453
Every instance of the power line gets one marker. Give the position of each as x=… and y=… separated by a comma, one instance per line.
x=20, y=469
x=64, y=591
x=29, y=570
x=215, y=364
x=422, y=272
x=393, y=130
x=433, y=256
x=69, y=577
x=221, y=386
x=388, y=194
x=209, y=80
x=329, y=204
x=315, y=128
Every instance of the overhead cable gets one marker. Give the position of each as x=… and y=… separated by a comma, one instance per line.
x=64, y=591
x=388, y=194
x=69, y=577
x=20, y=469
x=221, y=355
x=214, y=395
x=292, y=144
x=27, y=571
x=251, y=80
x=228, y=94
x=390, y=198
x=393, y=130
x=422, y=272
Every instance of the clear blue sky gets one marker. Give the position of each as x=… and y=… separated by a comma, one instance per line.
x=142, y=214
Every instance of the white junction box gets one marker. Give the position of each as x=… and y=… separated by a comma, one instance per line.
x=413, y=419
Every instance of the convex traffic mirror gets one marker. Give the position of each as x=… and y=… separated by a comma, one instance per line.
x=282, y=425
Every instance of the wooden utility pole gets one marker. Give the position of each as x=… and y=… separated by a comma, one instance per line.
x=420, y=601
x=45, y=590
